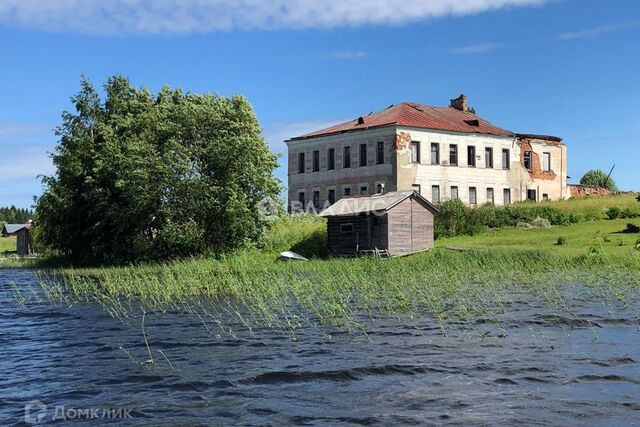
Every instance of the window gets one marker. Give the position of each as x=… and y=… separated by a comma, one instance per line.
x=454, y=192
x=488, y=157
x=527, y=160
x=346, y=158
x=435, y=194
x=473, y=197
x=545, y=197
x=332, y=196
x=435, y=153
x=415, y=151
x=506, y=164
x=531, y=195
x=316, y=199
x=301, y=198
x=316, y=160
x=546, y=162
x=471, y=156
x=453, y=154
x=364, y=189
x=506, y=196
x=490, y=198
x=331, y=158
x=300, y=162
x=363, y=154
x=380, y=153
x=380, y=188
x=346, y=228
x=346, y=191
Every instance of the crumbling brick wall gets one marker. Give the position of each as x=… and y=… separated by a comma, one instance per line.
x=579, y=190
x=536, y=171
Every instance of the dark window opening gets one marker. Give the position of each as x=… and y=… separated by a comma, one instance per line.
x=301, y=198
x=506, y=164
x=380, y=153
x=528, y=160
x=346, y=158
x=300, y=162
x=346, y=228
x=332, y=196
x=506, y=195
x=545, y=197
x=473, y=197
x=471, y=156
x=364, y=189
x=415, y=151
x=488, y=157
x=363, y=154
x=347, y=191
x=316, y=199
x=453, y=154
x=490, y=198
x=316, y=160
x=380, y=188
x=331, y=158
x=531, y=195
x=435, y=153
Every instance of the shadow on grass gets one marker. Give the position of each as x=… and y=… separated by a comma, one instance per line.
x=313, y=246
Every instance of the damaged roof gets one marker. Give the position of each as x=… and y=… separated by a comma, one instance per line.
x=410, y=114
x=377, y=203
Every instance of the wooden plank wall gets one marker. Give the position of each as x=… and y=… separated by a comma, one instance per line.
x=422, y=231
x=400, y=228
x=369, y=232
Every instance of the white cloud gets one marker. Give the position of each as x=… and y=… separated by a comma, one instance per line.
x=596, y=31
x=476, y=48
x=115, y=17
x=276, y=133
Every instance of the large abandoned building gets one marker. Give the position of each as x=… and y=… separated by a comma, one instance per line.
x=440, y=152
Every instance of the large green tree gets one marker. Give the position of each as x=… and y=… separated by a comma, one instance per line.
x=150, y=176
x=598, y=178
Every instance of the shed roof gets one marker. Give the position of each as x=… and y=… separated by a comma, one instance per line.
x=411, y=114
x=377, y=203
x=12, y=228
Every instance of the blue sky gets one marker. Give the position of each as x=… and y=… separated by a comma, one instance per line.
x=562, y=67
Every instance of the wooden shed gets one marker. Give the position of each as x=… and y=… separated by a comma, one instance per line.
x=398, y=223
x=24, y=244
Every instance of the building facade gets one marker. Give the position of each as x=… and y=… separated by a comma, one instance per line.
x=440, y=152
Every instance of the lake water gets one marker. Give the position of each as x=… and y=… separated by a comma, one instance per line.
x=539, y=369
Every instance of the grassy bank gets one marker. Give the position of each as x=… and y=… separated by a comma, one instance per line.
x=7, y=244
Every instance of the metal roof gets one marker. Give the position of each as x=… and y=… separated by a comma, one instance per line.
x=13, y=228
x=410, y=114
x=377, y=203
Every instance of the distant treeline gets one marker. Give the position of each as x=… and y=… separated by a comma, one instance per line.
x=13, y=215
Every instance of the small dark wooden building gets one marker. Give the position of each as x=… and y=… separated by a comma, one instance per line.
x=24, y=244
x=399, y=223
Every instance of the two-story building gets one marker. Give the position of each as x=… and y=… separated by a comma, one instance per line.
x=441, y=152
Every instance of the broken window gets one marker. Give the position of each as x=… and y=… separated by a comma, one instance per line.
x=380, y=153
x=435, y=153
x=453, y=154
x=531, y=195
x=506, y=196
x=546, y=162
x=490, y=198
x=363, y=154
x=488, y=157
x=435, y=194
x=528, y=160
x=415, y=151
x=454, y=192
x=316, y=160
x=471, y=156
x=300, y=162
x=332, y=196
x=331, y=158
x=346, y=158
x=506, y=164
x=473, y=197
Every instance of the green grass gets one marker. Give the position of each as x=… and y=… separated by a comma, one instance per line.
x=594, y=208
x=7, y=244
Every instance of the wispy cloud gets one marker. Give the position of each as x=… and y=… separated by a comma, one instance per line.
x=476, y=48
x=596, y=31
x=347, y=54
x=116, y=17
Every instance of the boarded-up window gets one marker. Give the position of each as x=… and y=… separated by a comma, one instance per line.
x=331, y=158
x=488, y=157
x=363, y=154
x=473, y=196
x=454, y=192
x=435, y=194
x=506, y=196
x=435, y=153
x=471, y=156
x=380, y=153
x=300, y=162
x=528, y=160
x=506, y=164
x=346, y=158
x=490, y=198
x=546, y=162
x=415, y=151
x=453, y=154
x=316, y=160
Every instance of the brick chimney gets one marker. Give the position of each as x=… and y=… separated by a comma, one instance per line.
x=460, y=103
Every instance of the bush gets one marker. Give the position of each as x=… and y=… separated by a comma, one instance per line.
x=599, y=178
x=541, y=223
x=456, y=219
x=628, y=212
x=613, y=212
x=561, y=241
x=523, y=225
